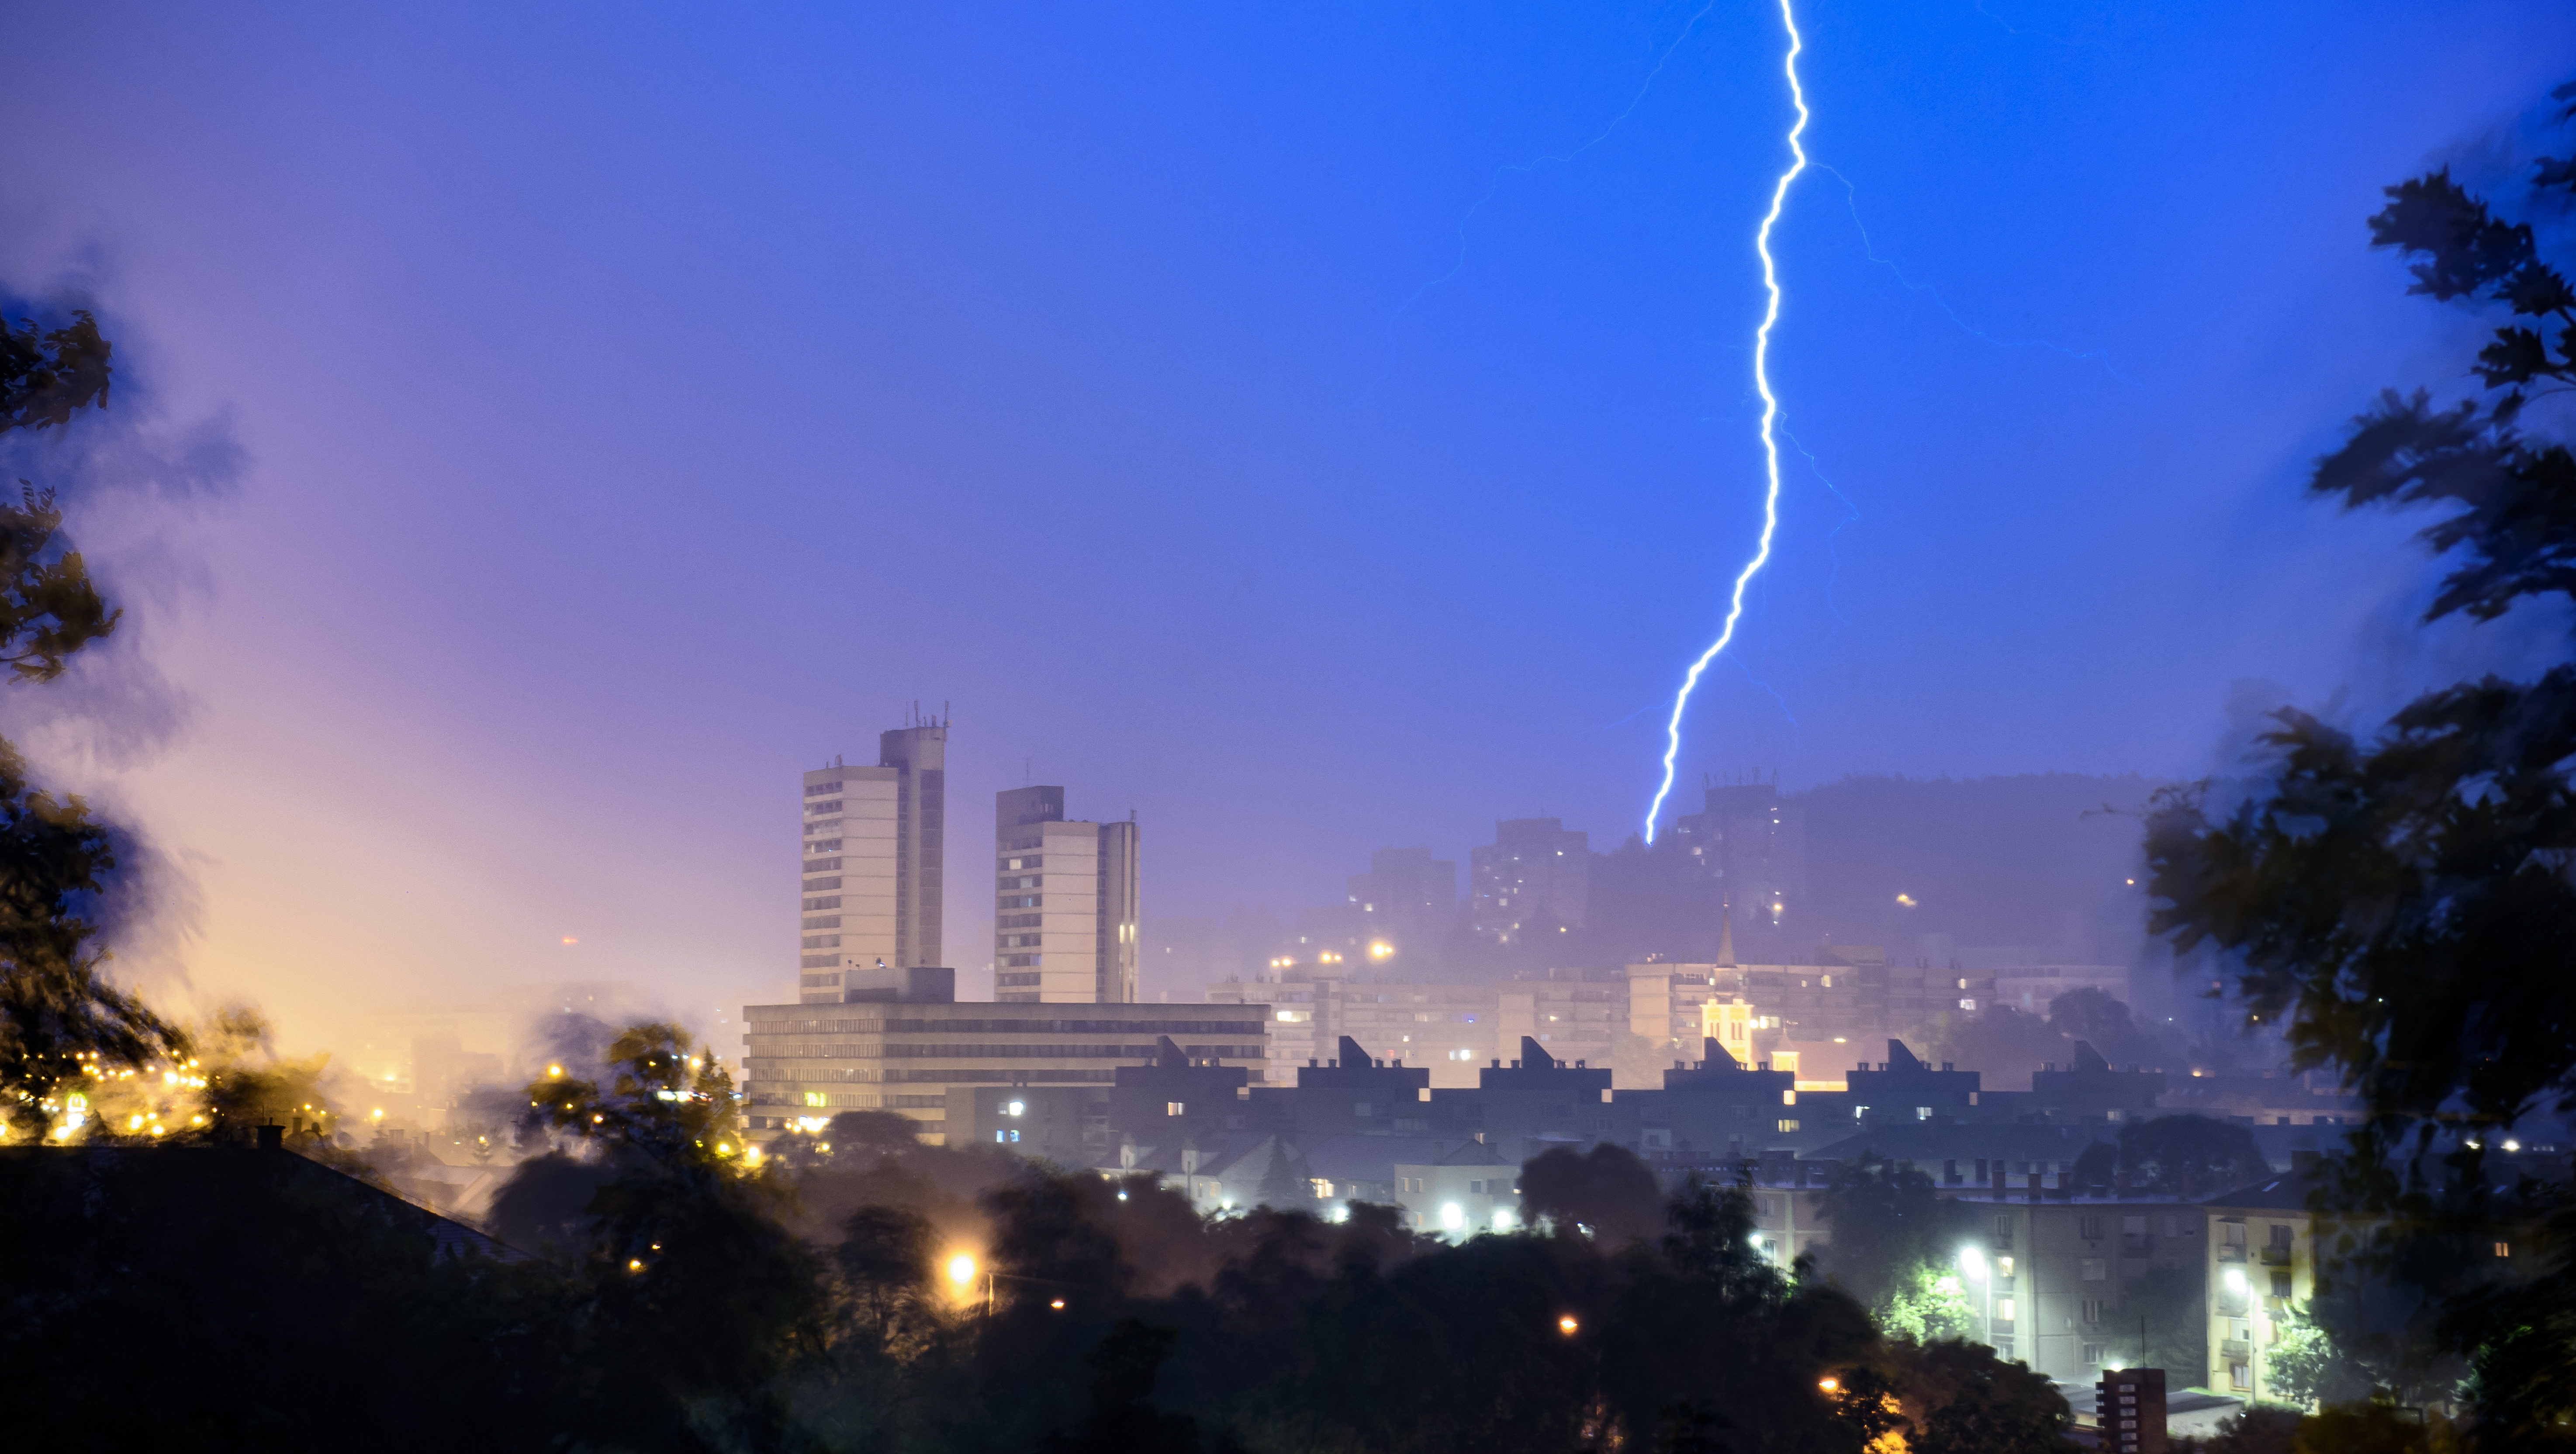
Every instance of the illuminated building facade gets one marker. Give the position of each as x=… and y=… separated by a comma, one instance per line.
x=1745, y=840
x=2062, y=1285
x=1449, y=1028
x=1067, y=908
x=869, y=868
x=915, y=1051
x=1534, y=878
x=1577, y=1014
x=2262, y=1268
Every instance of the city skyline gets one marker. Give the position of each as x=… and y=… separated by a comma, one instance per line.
x=1399, y=425
x=1787, y=725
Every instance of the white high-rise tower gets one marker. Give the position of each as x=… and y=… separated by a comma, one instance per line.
x=869, y=872
x=1066, y=911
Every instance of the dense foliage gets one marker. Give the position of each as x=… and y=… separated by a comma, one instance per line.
x=1894, y=1233
x=677, y=1309
x=60, y=1018
x=2404, y=907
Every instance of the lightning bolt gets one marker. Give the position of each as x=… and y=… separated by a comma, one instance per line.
x=1770, y=420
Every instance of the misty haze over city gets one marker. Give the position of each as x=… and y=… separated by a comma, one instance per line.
x=2068, y=500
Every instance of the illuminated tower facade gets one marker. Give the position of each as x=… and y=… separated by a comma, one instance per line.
x=869, y=873
x=1534, y=878
x=1749, y=841
x=1066, y=903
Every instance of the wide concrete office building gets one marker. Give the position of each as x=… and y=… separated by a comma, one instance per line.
x=904, y=1044
x=1066, y=908
x=870, y=866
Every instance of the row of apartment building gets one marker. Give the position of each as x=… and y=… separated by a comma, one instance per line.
x=1803, y=1018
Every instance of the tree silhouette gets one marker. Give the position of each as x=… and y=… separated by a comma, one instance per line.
x=1606, y=1190
x=2379, y=898
x=60, y=1019
x=2190, y=1156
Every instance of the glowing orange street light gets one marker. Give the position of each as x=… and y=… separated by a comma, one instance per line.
x=1567, y=1325
x=1829, y=1385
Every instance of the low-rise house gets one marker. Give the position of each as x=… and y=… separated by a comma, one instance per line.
x=1223, y=1172
x=1460, y=1192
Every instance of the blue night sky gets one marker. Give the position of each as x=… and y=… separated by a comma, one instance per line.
x=1312, y=427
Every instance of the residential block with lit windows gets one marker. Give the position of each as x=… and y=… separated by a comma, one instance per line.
x=2062, y=1285
x=2262, y=1269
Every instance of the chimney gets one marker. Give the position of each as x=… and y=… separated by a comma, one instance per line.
x=272, y=1138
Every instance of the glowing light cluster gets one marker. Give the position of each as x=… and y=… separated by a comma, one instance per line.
x=1770, y=421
